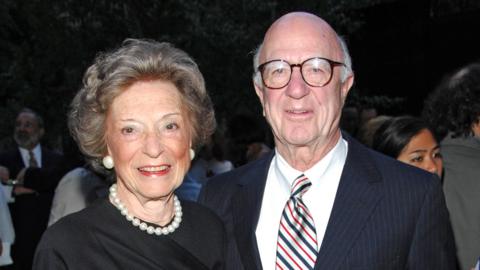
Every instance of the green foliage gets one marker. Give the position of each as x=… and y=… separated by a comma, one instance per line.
x=46, y=45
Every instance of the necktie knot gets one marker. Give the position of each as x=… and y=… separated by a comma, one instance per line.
x=300, y=185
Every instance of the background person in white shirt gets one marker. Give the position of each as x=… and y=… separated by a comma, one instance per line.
x=7, y=234
x=33, y=174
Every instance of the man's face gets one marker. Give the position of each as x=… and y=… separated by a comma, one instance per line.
x=301, y=115
x=27, y=130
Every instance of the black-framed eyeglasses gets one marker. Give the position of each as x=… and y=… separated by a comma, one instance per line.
x=316, y=72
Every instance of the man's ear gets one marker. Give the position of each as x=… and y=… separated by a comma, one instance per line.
x=346, y=86
x=260, y=93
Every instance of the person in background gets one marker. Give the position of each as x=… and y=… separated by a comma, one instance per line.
x=350, y=120
x=79, y=187
x=368, y=129
x=256, y=150
x=76, y=190
x=216, y=157
x=322, y=200
x=141, y=111
x=453, y=110
x=246, y=139
x=189, y=189
x=210, y=161
x=477, y=266
x=7, y=234
x=367, y=112
x=409, y=140
x=33, y=174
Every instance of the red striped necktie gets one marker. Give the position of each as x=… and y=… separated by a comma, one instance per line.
x=297, y=239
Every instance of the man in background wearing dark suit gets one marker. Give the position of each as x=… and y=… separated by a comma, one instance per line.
x=32, y=173
x=321, y=200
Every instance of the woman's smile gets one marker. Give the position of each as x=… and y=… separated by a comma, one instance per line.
x=159, y=170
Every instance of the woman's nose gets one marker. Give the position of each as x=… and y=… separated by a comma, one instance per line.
x=153, y=146
x=432, y=166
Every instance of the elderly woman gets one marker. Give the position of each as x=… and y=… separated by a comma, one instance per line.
x=409, y=140
x=141, y=111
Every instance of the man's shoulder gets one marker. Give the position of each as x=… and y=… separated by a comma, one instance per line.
x=7, y=144
x=202, y=215
x=9, y=152
x=81, y=219
x=11, y=159
x=242, y=174
x=221, y=188
x=75, y=228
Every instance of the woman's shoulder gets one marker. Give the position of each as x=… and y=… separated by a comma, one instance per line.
x=195, y=209
x=201, y=215
x=202, y=233
x=93, y=211
x=76, y=224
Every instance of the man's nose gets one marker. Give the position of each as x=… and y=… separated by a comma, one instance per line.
x=297, y=87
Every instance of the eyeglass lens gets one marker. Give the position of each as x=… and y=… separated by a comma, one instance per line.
x=315, y=72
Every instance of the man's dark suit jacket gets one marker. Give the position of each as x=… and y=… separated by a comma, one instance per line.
x=386, y=215
x=30, y=212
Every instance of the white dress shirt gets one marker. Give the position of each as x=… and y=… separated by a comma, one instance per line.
x=7, y=234
x=37, y=152
x=325, y=177
x=73, y=192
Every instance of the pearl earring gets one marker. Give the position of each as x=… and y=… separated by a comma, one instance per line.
x=108, y=162
x=192, y=154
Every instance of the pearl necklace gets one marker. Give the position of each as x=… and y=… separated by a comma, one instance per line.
x=142, y=225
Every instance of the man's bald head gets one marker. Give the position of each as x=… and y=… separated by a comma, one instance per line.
x=301, y=29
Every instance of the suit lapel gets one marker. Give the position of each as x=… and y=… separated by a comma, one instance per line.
x=16, y=163
x=246, y=205
x=46, y=158
x=358, y=193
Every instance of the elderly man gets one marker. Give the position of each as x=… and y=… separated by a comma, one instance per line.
x=321, y=200
x=30, y=174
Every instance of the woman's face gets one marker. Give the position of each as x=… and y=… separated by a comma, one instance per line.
x=147, y=135
x=423, y=152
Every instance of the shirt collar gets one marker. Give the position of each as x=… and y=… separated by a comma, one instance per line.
x=287, y=174
x=36, y=150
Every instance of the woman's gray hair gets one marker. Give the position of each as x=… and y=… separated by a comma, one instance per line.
x=113, y=72
x=346, y=70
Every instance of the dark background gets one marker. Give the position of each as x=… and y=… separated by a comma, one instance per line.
x=404, y=48
x=400, y=49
